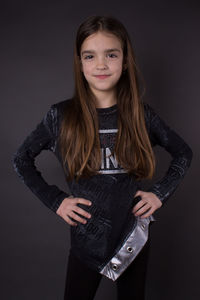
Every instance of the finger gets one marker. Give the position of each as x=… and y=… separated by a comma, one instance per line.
x=138, y=193
x=69, y=221
x=147, y=214
x=136, y=200
x=77, y=218
x=142, y=209
x=83, y=201
x=139, y=205
x=82, y=212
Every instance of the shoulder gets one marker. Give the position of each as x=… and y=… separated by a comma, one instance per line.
x=148, y=110
x=151, y=115
x=53, y=117
x=148, y=113
x=155, y=125
x=57, y=109
x=62, y=105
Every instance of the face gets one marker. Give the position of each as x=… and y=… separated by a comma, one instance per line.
x=101, y=54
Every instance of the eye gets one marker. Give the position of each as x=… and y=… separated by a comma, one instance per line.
x=86, y=57
x=90, y=56
x=112, y=54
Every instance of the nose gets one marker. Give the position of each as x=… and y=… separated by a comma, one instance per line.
x=101, y=63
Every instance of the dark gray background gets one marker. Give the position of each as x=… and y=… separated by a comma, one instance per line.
x=37, y=40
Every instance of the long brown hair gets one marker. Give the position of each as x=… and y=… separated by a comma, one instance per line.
x=79, y=137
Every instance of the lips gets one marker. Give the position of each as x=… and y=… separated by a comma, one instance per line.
x=102, y=76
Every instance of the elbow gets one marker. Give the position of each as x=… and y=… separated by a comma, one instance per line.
x=14, y=160
x=189, y=154
x=18, y=165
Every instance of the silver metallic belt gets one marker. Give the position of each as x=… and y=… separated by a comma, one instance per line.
x=129, y=250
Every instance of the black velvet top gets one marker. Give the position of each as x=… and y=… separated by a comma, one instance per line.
x=111, y=191
x=44, y=137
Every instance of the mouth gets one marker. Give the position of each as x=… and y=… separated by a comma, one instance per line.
x=102, y=76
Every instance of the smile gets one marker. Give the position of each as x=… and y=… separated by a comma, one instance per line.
x=102, y=76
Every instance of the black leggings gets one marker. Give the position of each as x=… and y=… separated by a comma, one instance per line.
x=82, y=282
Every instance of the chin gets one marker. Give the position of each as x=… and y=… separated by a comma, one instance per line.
x=104, y=85
x=106, y=89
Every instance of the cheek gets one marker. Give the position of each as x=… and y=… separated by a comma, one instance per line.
x=87, y=69
x=118, y=71
x=116, y=67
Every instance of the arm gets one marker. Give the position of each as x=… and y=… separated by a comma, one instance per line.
x=41, y=138
x=161, y=134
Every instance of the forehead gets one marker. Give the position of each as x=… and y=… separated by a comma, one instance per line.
x=101, y=41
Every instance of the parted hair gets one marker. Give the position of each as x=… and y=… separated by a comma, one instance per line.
x=79, y=137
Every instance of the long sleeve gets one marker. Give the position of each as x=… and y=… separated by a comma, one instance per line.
x=41, y=138
x=161, y=134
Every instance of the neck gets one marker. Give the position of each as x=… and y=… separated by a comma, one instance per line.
x=104, y=100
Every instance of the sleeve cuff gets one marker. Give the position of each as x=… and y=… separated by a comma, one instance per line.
x=59, y=200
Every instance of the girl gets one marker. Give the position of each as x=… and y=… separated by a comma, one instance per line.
x=104, y=136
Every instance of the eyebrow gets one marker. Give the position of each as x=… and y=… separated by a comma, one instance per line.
x=107, y=50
